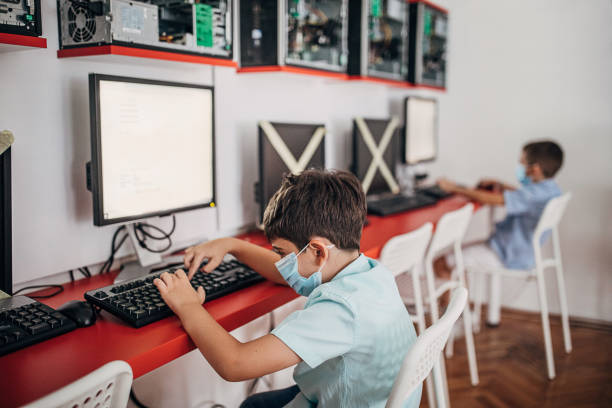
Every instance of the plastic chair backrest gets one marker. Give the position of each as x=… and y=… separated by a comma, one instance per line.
x=403, y=252
x=426, y=351
x=107, y=387
x=551, y=216
x=450, y=229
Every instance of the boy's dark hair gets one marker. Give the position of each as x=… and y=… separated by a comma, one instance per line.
x=547, y=154
x=330, y=204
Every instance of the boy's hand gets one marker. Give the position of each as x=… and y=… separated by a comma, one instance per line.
x=491, y=185
x=214, y=251
x=447, y=185
x=177, y=292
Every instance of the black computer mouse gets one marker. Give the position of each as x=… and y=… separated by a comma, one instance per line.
x=81, y=312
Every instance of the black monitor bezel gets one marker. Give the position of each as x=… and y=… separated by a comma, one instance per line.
x=96, y=156
x=6, y=252
x=405, y=132
x=260, y=147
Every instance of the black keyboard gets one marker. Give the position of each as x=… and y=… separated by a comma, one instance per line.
x=24, y=321
x=398, y=203
x=138, y=302
x=433, y=191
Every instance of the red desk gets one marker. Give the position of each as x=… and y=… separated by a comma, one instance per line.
x=37, y=370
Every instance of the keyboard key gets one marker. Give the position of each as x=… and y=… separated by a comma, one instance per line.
x=39, y=328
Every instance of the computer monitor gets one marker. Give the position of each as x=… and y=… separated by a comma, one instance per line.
x=421, y=129
x=6, y=274
x=152, y=146
x=376, y=129
x=304, y=143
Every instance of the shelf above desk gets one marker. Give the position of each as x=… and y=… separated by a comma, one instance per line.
x=106, y=50
x=15, y=42
x=293, y=70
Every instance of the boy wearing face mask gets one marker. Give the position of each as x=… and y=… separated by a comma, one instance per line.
x=350, y=339
x=510, y=244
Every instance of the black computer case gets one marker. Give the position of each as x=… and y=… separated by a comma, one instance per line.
x=310, y=34
x=378, y=39
x=427, y=56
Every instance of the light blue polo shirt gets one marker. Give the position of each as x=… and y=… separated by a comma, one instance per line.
x=352, y=336
x=512, y=238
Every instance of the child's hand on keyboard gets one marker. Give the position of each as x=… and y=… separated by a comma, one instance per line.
x=177, y=292
x=214, y=251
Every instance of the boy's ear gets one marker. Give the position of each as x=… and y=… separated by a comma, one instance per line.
x=319, y=247
x=535, y=171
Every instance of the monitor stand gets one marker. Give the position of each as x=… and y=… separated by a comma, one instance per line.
x=147, y=261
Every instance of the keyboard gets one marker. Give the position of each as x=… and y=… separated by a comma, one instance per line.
x=24, y=321
x=138, y=302
x=398, y=203
x=433, y=191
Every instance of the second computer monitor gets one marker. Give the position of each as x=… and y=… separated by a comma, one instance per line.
x=363, y=153
x=286, y=148
x=421, y=130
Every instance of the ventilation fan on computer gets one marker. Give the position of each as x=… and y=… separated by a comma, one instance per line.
x=81, y=23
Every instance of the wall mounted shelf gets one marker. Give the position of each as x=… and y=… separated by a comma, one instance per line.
x=293, y=70
x=143, y=53
x=16, y=42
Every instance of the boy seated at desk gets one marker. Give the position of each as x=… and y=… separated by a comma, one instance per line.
x=350, y=339
x=510, y=245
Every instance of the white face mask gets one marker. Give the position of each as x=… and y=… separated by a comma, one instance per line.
x=288, y=268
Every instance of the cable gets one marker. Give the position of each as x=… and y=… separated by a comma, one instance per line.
x=135, y=400
x=71, y=275
x=59, y=290
x=141, y=233
x=114, y=249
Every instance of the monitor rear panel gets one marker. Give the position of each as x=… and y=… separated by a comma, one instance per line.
x=272, y=168
x=362, y=156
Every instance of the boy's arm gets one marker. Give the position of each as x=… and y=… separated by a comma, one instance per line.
x=482, y=196
x=261, y=260
x=231, y=359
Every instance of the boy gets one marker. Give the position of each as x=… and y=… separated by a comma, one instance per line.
x=510, y=244
x=351, y=337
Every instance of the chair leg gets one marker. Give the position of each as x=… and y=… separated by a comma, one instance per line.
x=469, y=344
x=567, y=340
x=478, y=279
x=450, y=344
x=441, y=390
x=545, y=325
x=418, y=299
x=494, y=308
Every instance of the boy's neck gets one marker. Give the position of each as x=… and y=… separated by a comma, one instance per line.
x=339, y=263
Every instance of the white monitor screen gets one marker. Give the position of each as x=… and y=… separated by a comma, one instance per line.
x=421, y=127
x=156, y=148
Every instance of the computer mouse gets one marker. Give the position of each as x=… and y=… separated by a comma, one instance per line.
x=81, y=312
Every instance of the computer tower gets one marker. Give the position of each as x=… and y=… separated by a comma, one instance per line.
x=182, y=26
x=428, y=40
x=301, y=33
x=20, y=17
x=378, y=39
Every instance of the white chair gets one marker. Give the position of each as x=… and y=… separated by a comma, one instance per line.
x=450, y=231
x=404, y=254
x=426, y=352
x=107, y=387
x=549, y=221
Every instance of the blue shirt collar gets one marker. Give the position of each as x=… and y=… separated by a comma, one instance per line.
x=359, y=265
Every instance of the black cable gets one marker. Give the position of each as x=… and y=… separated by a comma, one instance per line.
x=114, y=249
x=141, y=233
x=135, y=400
x=59, y=288
x=71, y=275
x=84, y=273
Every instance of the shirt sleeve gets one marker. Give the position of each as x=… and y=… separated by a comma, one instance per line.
x=517, y=201
x=320, y=332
